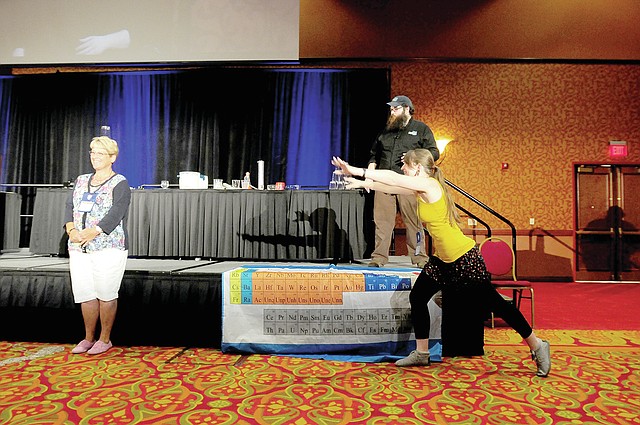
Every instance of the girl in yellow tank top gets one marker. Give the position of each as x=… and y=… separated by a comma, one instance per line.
x=449, y=241
x=456, y=262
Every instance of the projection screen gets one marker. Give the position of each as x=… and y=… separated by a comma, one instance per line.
x=45, y=32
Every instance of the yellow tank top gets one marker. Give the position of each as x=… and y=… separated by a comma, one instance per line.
x=448, y=240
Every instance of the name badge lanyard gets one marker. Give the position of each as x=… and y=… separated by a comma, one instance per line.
x=89, y=200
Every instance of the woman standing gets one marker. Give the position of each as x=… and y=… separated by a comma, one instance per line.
x=96, y=222
x=456, y=260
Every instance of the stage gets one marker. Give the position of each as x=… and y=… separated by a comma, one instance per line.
x=162, y=302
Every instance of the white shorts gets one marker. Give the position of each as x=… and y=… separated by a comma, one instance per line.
x=97, y=275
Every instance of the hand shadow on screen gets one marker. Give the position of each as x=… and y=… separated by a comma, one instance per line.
x=328, y=238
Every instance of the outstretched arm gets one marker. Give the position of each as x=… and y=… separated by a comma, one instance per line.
x=353, y=183
x=389, y=179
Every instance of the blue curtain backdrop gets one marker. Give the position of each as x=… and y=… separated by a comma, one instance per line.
x=132, y=105
x=316, y=128
x=219, y=122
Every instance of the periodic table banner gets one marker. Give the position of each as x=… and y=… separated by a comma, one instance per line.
x=333, y=310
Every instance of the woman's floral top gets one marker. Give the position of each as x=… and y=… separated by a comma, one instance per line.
x=109, y=211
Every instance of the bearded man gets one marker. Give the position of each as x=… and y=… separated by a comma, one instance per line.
x=401, y=134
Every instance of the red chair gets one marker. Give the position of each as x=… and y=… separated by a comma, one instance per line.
x=501, y=263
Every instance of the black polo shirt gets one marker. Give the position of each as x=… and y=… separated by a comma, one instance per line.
x=389, y=146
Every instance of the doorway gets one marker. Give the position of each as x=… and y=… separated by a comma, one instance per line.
x=607, y=222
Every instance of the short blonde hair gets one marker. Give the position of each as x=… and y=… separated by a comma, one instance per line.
x=108, y=144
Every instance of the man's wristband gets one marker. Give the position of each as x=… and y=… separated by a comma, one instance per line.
x=364, y=173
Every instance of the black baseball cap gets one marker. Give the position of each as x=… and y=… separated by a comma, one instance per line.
x=401, y=101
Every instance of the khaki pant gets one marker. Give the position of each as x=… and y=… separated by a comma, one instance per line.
x=384, y=216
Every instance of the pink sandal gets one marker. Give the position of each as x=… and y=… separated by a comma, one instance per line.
x=82, y=347
x=100, y=347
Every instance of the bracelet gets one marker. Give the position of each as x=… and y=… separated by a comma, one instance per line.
x=364, y=173
x=71, y=230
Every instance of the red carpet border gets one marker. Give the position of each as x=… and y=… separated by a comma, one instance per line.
x=595, y=380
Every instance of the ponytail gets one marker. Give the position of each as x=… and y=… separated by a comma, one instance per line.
x=452, y=210
x=424, y=157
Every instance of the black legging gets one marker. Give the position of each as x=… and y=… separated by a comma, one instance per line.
x=467, y=274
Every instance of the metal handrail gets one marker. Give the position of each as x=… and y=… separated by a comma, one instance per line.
x=489, y=210
x=475, y=217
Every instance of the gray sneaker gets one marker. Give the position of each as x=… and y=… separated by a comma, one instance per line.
x=415, y=358
x=542, y=356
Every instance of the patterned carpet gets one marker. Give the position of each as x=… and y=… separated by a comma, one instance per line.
x=595, y=380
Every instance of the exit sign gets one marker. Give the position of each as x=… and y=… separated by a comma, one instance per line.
x=618, y=149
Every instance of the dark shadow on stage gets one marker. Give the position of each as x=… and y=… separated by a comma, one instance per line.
x=328, y=239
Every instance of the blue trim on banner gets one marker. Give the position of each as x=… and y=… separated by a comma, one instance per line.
x=368, y=353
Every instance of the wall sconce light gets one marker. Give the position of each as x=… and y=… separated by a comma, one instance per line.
x=442, y=143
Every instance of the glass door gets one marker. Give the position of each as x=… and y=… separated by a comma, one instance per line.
x=607, y=216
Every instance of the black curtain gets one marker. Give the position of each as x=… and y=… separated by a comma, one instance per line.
x=218, y=122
